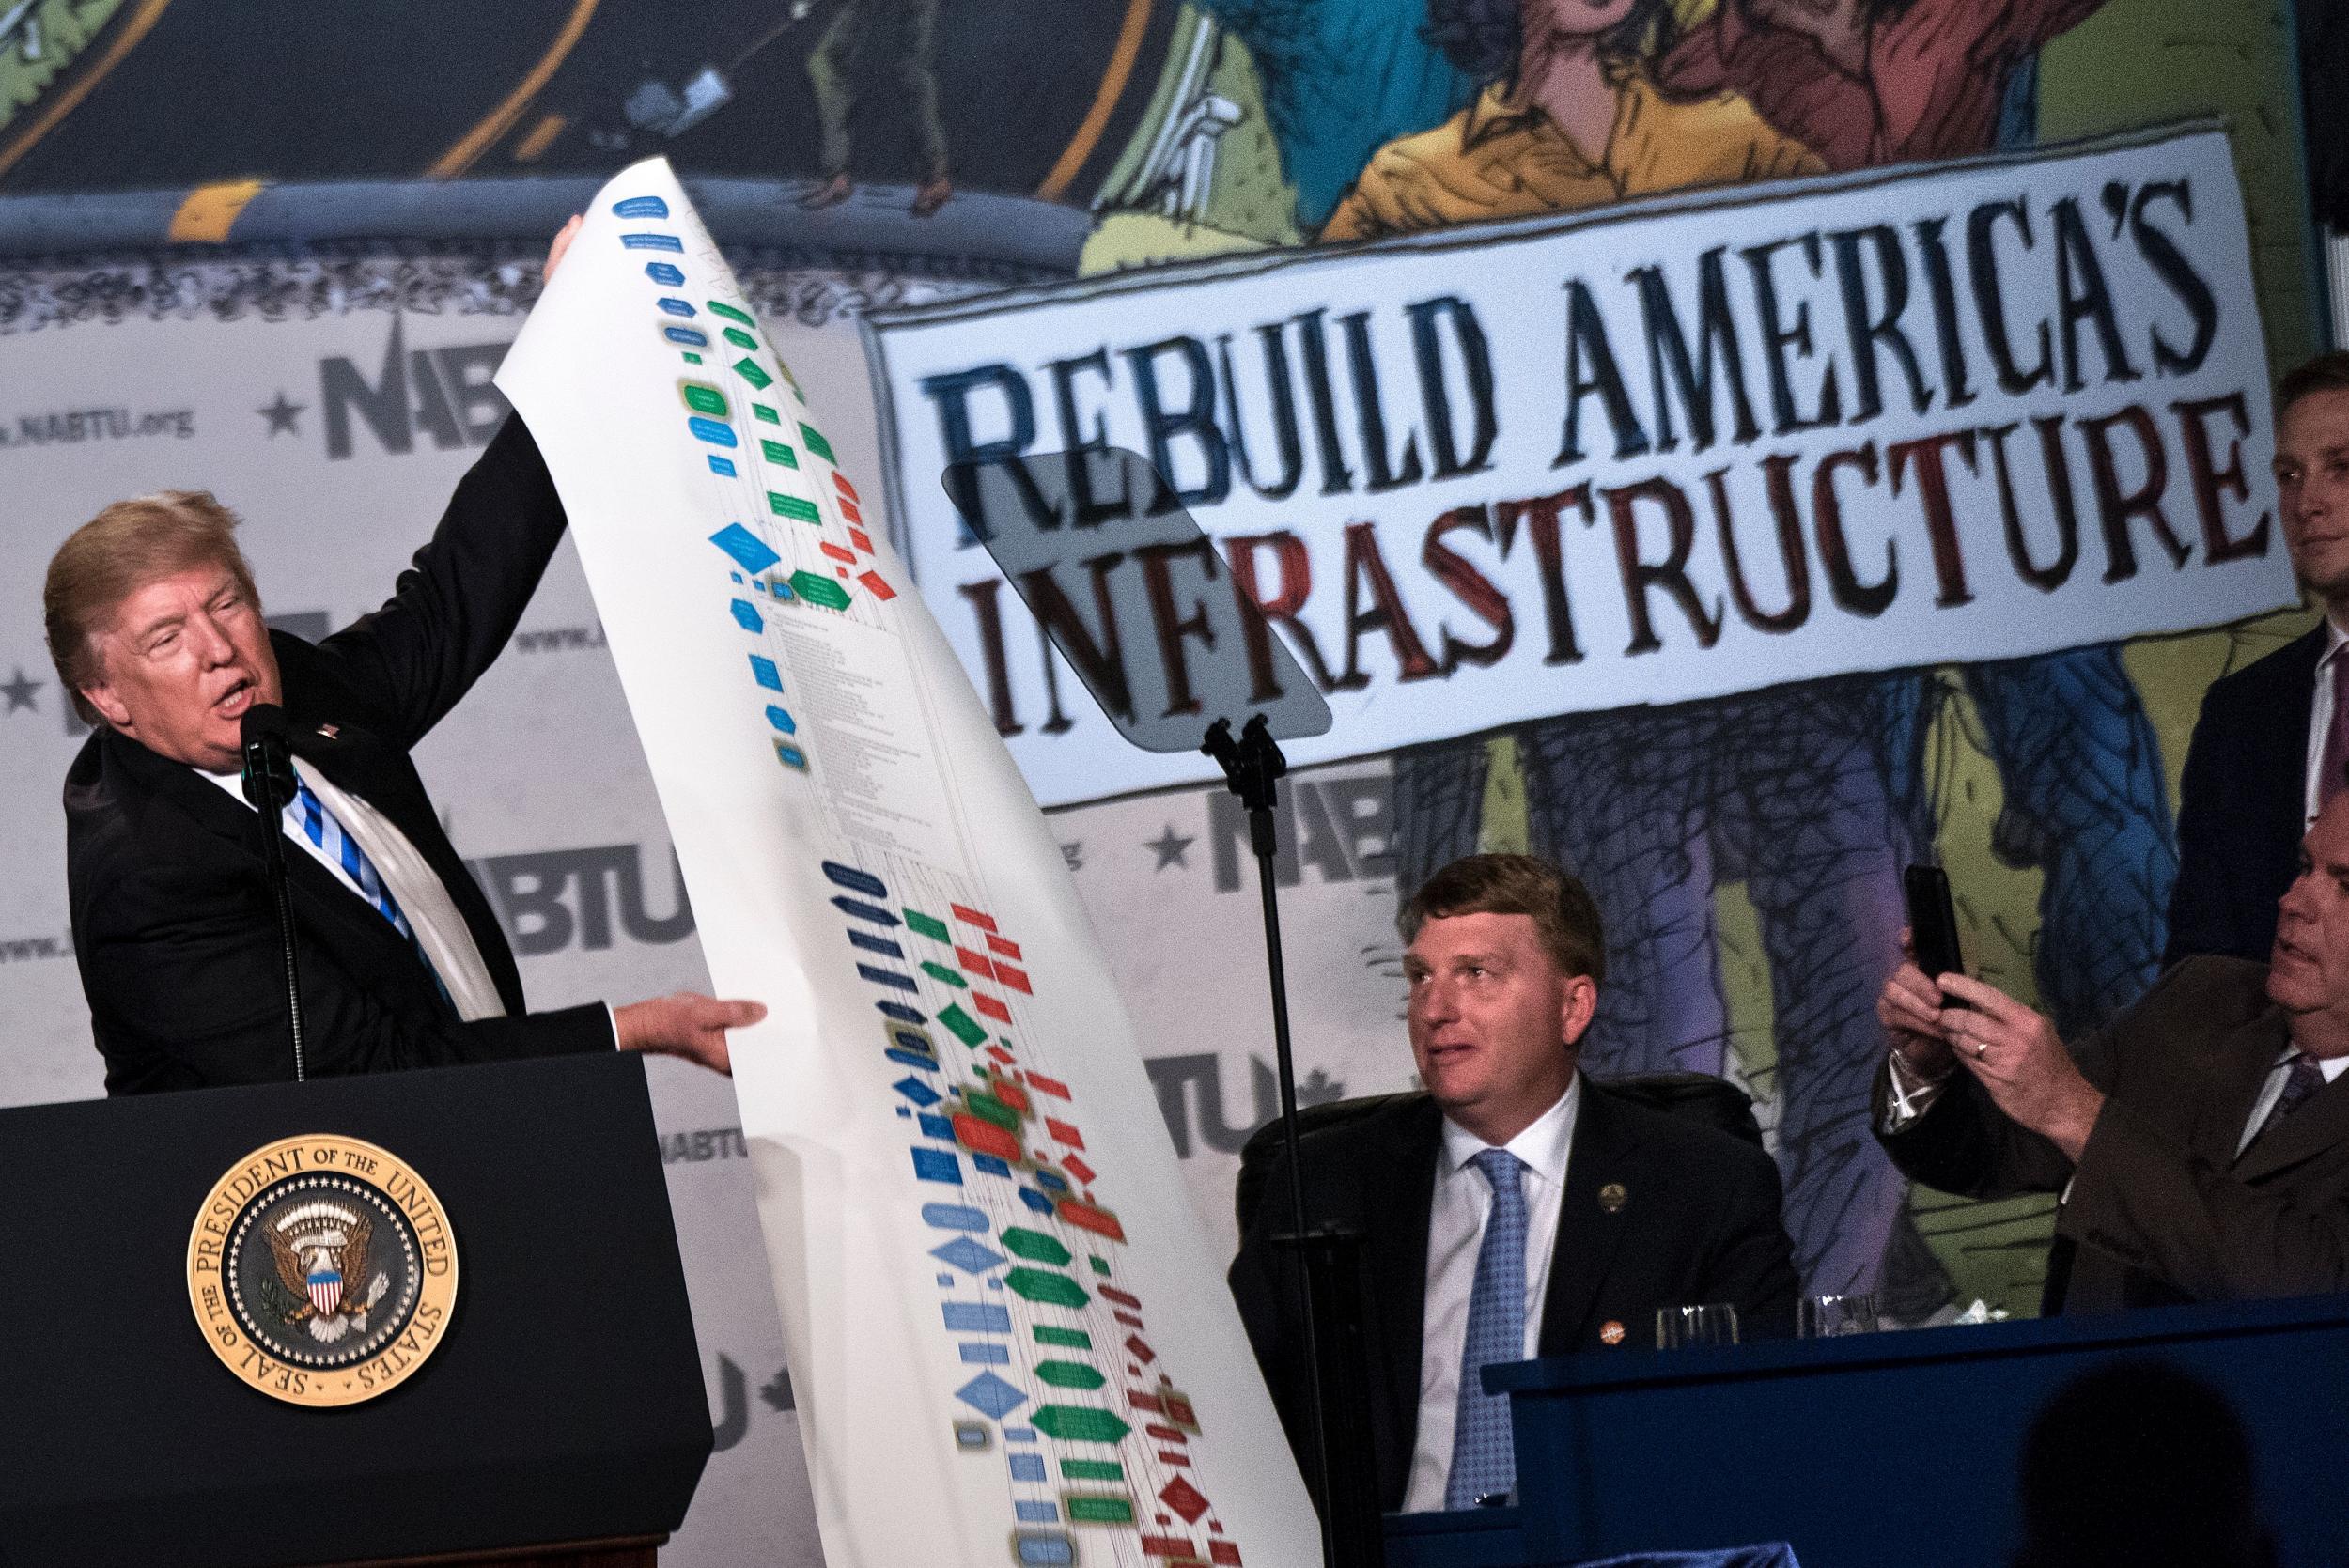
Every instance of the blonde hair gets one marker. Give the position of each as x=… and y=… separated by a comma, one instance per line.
x=115, y=554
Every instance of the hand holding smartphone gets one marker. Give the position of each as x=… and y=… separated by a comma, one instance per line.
x=1932, y=923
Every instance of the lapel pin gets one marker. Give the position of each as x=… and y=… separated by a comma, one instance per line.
x=1613, y=1197
x=330, y=730
x=1610, y=1332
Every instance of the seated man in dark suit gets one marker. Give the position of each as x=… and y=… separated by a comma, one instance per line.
x=2273, y=738
x=155, y=630
x=1513, y=1209
x=2201, y=1139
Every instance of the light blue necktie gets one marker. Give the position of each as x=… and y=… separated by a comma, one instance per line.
x=307, y=814
x=1483, y=1459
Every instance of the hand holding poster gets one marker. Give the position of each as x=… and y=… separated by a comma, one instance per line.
x=1671, y=451
x=1006, y=1330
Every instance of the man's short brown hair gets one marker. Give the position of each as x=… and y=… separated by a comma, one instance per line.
x=115, y=554
x=1564, y=915
x=2324, y=373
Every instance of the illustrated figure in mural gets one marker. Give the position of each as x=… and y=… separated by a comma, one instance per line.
x=2272, y=743
x=156, y=628
x=1471, y=1181
x=857, y=28
x=1341, y=79
x=1871, y=82
x=1568, y=119
x=2200, y=1140
x=1788, y=790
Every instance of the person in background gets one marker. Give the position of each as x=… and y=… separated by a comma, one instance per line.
x=2272, y=743
x=1514, y=1208
x=2200, y=1140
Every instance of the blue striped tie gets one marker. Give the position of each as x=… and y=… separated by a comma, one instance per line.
x=307, y=814
x=1484, y=1460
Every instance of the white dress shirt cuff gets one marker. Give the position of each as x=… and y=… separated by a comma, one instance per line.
x=1912, y=1096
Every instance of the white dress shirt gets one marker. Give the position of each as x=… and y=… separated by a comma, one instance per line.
x=440, y=929
x=1456, y=1232
x=2321, y=718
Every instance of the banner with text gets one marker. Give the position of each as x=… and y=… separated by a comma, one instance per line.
x=1671, y=451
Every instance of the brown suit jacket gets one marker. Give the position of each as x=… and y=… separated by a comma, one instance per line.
x=2160, y=1209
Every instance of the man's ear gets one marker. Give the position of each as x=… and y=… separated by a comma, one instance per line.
x=1575, y=1011
x=100, y=696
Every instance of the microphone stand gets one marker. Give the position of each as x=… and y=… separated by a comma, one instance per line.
x=1015, y=506
x=1330, y=1273
x=268, y=786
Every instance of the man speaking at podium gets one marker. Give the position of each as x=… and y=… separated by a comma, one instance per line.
x=155, y=630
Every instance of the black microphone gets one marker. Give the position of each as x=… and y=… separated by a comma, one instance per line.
x=268, y=784
x=269, y=775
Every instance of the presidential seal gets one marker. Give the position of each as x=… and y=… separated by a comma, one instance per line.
x=321, y=1270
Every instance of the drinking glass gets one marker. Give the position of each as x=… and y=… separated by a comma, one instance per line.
x=1714, y=1323
x=1819, y=1318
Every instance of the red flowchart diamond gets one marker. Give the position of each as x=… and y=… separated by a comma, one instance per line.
x=1184, y=1498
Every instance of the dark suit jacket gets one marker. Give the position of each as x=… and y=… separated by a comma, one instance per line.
x=173, y=923
x=1700, y=1224
x=2160, y=1209
x=2242, y=805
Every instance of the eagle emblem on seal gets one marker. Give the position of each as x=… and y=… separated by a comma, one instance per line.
x=320, y=1250
x=321, y=1269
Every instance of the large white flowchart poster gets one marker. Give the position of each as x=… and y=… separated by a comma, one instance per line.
x=1010, y=1339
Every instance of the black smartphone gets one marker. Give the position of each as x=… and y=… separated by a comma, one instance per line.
x=1932, y=920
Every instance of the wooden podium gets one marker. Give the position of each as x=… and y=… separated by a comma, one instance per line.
x=558, y=1419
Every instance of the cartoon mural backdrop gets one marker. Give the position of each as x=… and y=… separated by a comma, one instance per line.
x=1814, y=796
x=1745, y=852
x=281, y=261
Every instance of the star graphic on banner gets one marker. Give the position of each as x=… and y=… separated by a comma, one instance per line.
x=281, y=416
x=1171, y=848
x=20, y=690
